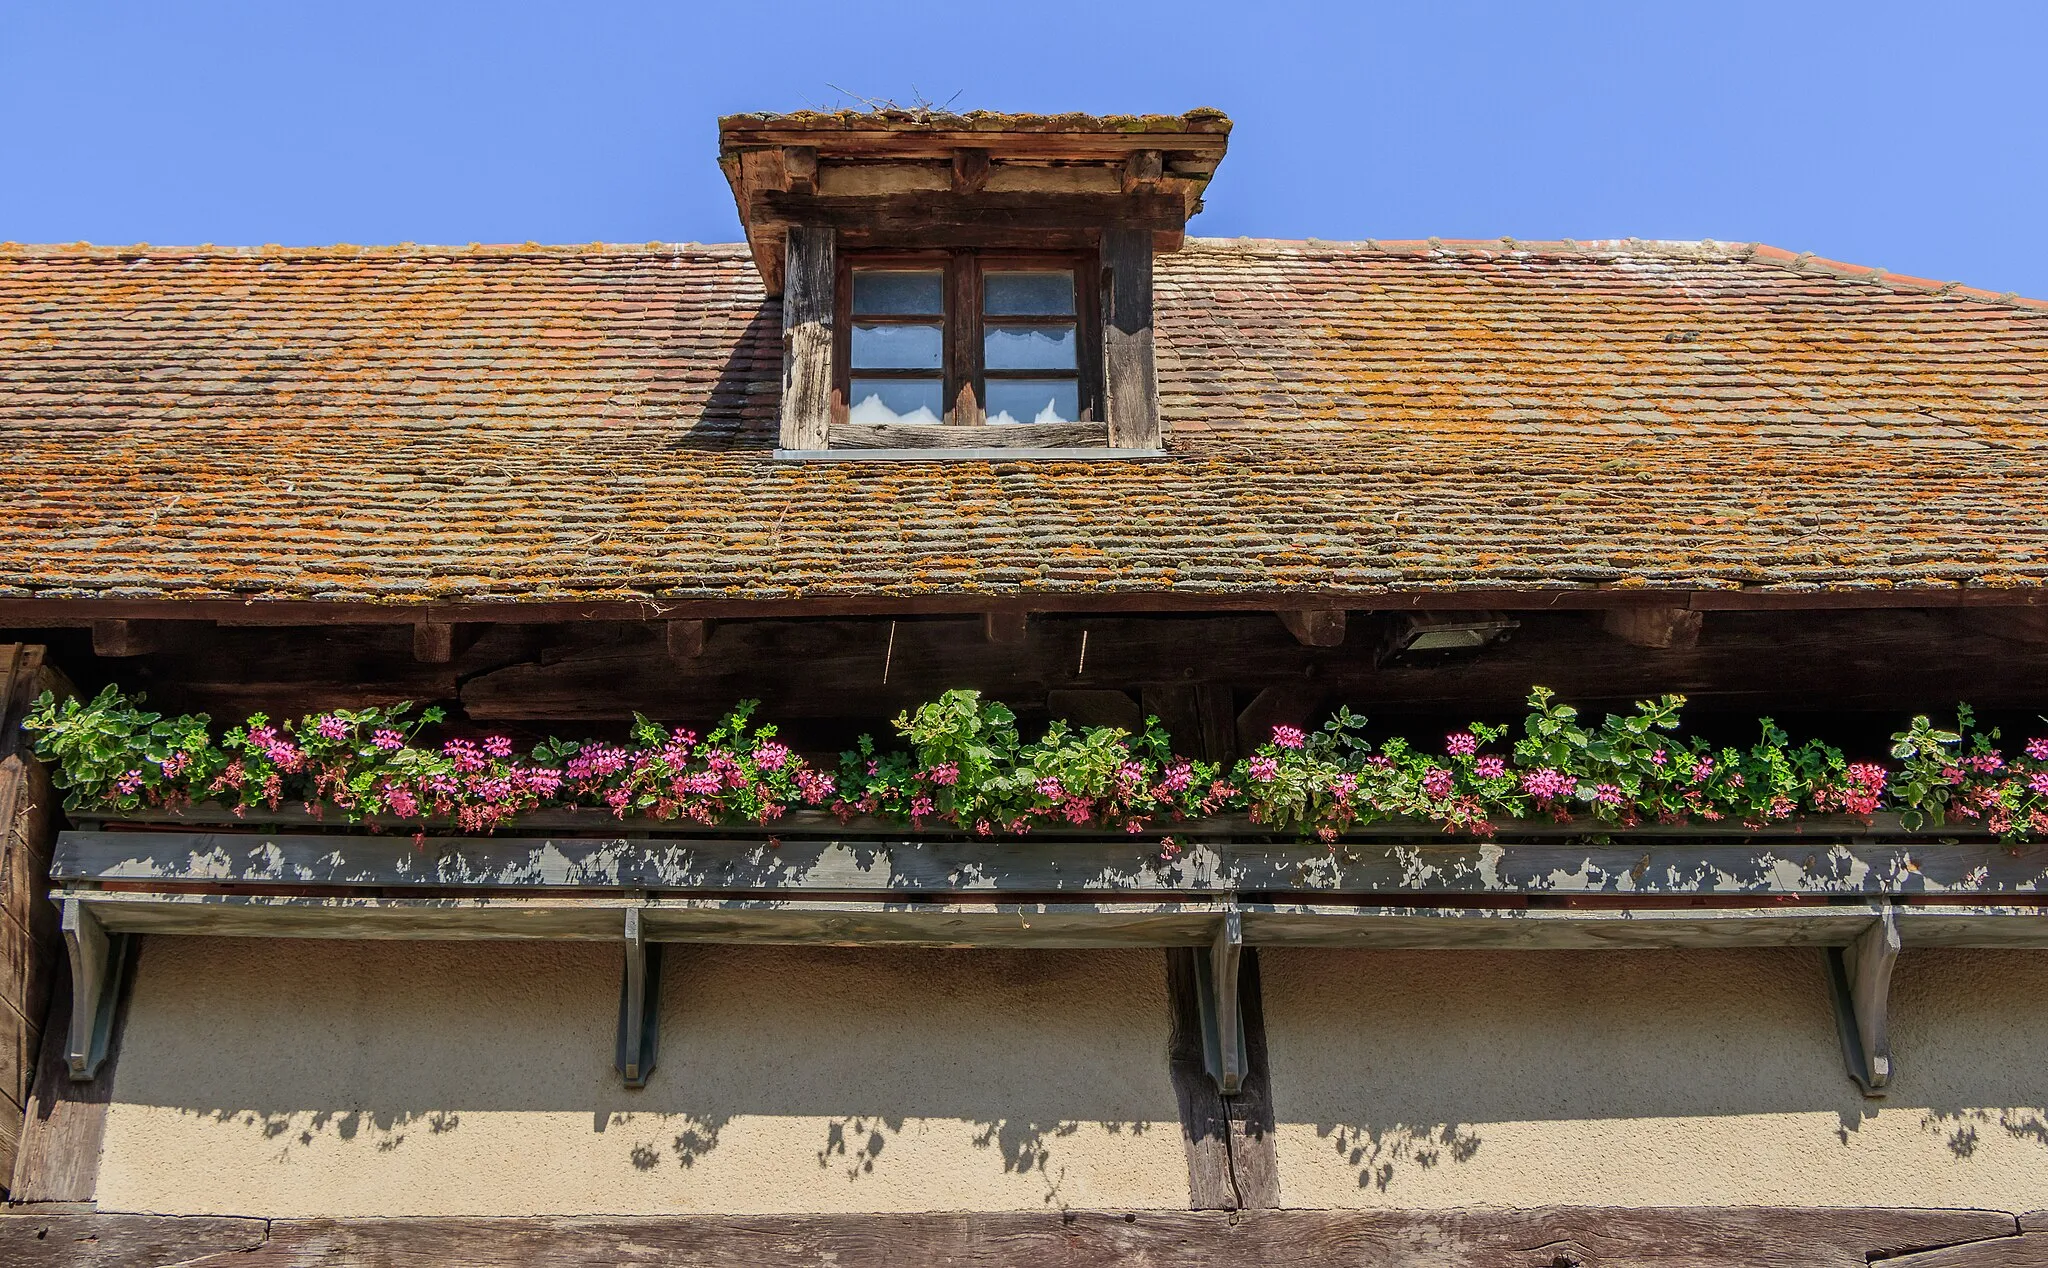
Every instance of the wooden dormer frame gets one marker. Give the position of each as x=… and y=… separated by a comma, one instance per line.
x=814, y=188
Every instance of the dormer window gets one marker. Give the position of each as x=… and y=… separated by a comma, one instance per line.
x=968, y=339
x=961, y=283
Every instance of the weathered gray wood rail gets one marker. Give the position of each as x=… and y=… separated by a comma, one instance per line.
x=1054, y=864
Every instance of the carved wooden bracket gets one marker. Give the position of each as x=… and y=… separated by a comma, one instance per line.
x=639, y=1003
x=1860, y=975
x=98, y=961
x=1223, y=1040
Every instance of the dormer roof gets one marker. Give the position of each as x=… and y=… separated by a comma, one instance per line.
x=896, y=175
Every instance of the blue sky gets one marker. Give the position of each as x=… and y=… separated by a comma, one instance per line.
x=1911, y=136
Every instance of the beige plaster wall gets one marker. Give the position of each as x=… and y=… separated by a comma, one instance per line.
x=301, y=1077
x=1437, y=1079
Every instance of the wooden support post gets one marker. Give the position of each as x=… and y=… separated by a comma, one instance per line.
x=686, y=640
x=639, y=1003
x=1653, y=627
x=1315, y=627
x=1216, y=712
x=970, y=170
x=96, y=967
x=807, y=303
x=1860, y=975
x=124, y=638
x=1006, y=627
x=1130, y=382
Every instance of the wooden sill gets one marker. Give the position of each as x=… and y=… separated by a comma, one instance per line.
x=861, y=441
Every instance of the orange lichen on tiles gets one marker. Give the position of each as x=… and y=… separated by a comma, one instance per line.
x=592, y=422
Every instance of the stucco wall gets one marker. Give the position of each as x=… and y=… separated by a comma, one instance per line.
x=1520, y=1078
x=283, y=1078
x=292, y=1078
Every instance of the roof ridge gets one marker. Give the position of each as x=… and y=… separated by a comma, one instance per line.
x=1808, y=262
x=1599, y=248
x=354, y=251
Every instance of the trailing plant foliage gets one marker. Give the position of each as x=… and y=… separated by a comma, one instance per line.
x=962, y=763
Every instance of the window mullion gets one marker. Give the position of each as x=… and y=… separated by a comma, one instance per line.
x=963, y=341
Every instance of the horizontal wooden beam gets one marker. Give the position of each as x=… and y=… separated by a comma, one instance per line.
x=1626, y=1237
x=1051, y=864
x=850, y=922
x=924, y=216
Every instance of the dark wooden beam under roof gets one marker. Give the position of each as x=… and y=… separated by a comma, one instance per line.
x=31, y=613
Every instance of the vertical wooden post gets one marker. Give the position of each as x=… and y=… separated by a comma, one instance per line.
x=1130, y=384
x=29, y=945
x=807, y=304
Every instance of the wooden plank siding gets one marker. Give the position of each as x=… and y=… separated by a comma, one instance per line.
x=1584, y=1237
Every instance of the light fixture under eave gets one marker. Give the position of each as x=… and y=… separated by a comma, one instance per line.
x=1420, y=632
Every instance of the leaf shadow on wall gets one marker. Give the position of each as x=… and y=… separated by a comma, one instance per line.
x=1408, y=1063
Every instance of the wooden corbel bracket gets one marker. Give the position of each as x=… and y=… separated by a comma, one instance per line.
x=98, y=961
x=639, y=1003
x=1223, y=1041
x=1860, y=977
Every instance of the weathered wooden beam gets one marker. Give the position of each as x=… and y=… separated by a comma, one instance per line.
x=920, y=215
x=1653, y=627
x=685, y=640
x=1006, y=627
x=2017, y=624
x=970, y=169
x=1315, y=627
x=807, y=308
x=1409, y=862
x=122, y=638
x=1130, y=380
x=1102, y=921
x=1626, y=1237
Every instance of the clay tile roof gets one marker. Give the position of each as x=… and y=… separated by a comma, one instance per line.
x=590, y=423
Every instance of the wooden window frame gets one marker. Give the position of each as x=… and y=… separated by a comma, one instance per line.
x=965, y=380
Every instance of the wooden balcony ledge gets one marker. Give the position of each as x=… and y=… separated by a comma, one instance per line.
x=1860, y=892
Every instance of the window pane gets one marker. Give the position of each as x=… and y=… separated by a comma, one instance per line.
x=1029, y=348
x=1028, y=294
x=897, y=401
x=899, y=292
x=1033, y=401
x=898, y=347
